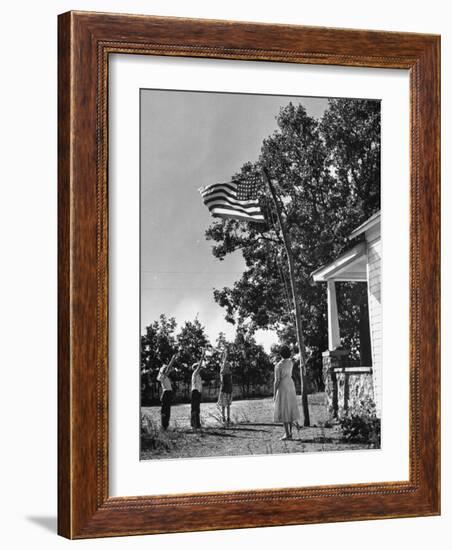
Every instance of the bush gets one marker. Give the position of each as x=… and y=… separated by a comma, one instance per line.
x=361, y=424
x=152, y=438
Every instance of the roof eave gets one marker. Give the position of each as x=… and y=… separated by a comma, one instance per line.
x=368, y=224
x=328, y=271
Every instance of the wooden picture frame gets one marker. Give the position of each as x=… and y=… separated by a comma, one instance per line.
x=85, y=42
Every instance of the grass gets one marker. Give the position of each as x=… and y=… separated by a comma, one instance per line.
x=252, y=432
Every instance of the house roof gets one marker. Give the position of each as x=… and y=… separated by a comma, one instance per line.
x=368, y=224
x=349, y=266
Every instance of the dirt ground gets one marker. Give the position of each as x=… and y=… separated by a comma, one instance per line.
x=252, y=432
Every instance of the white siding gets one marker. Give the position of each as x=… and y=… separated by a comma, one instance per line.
x=375, y=317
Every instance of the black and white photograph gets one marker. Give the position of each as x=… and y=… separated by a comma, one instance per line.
x=260, y=274
x=224, y=237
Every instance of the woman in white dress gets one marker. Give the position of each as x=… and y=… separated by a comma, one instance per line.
x=286, y=406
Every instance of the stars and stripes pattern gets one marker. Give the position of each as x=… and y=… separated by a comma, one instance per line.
x=236, y=199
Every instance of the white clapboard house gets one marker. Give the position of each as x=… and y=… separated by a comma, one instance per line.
x=347, y=383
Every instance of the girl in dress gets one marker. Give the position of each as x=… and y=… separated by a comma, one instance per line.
x=286, y=406
x=225, y=396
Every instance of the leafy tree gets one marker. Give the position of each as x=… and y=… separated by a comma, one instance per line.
x=327, y=175
x=251, y=365
x=351, y=130
x=190, y=342
x=249, y=362
x=213, y=363
x=158, y=345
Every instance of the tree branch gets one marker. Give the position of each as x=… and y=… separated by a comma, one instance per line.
x=269, y=239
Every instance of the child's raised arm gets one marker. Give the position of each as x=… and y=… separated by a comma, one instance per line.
x=201, y=361
x=203, y=356
x=171, y=363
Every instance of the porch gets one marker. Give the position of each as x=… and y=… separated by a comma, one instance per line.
x=347, y=382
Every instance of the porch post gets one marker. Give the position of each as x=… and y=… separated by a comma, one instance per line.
x=334, y=337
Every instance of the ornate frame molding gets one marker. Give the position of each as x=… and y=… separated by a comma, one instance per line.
x=85, y=42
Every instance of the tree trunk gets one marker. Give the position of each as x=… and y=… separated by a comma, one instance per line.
x=300, y=338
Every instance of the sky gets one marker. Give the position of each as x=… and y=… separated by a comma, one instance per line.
x=189, y=140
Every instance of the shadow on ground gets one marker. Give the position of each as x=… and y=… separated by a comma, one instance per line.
x=252, y=432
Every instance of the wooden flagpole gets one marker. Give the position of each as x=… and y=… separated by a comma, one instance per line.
x=299, y=330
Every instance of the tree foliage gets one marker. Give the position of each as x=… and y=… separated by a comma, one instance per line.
x=250, y=363
x=190, y=342
x=327, y=175
x=158, y=345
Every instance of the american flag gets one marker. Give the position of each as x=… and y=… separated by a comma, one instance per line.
x=236, y=199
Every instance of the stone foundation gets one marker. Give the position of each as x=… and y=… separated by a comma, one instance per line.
x=346, y=384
